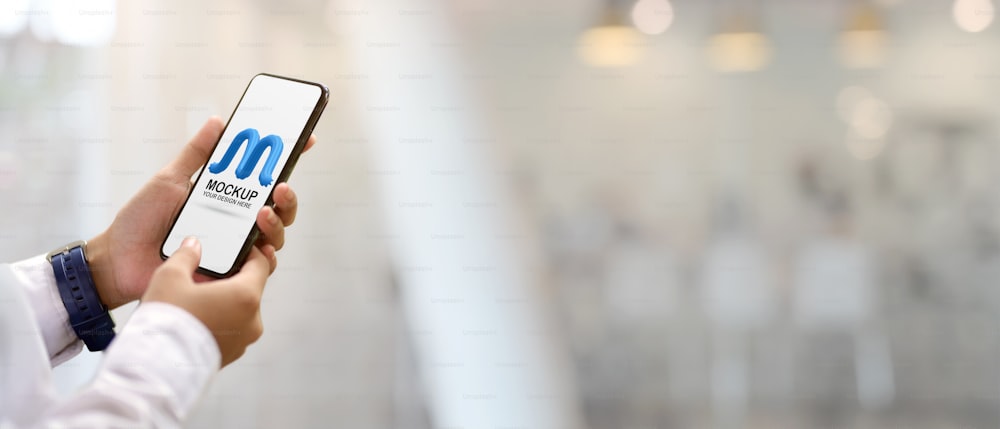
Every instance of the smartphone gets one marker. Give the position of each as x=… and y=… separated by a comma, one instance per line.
x=258, y=149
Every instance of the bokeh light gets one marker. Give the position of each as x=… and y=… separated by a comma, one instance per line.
x=868, y=120
x=848, y=98
x=652, y=16
x=739, y=51
x=871, y=118
x=973, y=15
x=610, y=46
x=861, y=148
x=862, y=49
x=862, y=44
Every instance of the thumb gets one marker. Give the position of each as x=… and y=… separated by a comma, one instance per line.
x=187, y=256
x=197, y=151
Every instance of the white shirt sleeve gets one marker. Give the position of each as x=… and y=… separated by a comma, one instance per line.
x=35, y=277
x=152, y=374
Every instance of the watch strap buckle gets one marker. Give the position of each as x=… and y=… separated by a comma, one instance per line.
x=82, y=244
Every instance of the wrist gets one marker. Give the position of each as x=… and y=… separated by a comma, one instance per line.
x=99, y=261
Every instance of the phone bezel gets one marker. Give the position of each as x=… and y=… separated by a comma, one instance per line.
x=293, y=158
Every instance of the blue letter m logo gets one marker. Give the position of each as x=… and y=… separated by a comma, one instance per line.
x=255, y=149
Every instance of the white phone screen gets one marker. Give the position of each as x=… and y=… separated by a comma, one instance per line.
x=243, y=169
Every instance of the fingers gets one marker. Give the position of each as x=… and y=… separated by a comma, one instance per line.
x=272, y=257
x=259, y=265
x=286, y=203
x=257, y=328
x=272, y=220
x=185, y=260
x=196, y=151
x=271, y=228
x=309, y=143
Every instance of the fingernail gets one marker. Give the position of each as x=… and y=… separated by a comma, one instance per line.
x=191, y=242
x=272, y=217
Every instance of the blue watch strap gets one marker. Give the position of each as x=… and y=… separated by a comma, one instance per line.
x=87, y=314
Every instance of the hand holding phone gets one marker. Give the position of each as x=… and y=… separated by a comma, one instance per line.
x=257, y=150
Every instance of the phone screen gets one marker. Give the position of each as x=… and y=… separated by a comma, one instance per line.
x=267, y=128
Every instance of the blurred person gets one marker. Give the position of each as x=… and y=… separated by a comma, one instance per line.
x=835, y=290
x=185, y=329
x=738, y=296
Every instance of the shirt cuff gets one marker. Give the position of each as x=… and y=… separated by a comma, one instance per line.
x=39, y=284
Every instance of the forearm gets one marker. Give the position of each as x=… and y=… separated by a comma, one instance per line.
x=34, y=277
x=151, y=376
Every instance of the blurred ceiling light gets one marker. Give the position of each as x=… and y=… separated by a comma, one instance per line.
x=739, y=47
x=652, y=16
x=739, y=52
x=612, y=43
x=973, y=15
x=14, y=17
x=81, y=22
x=862, y=43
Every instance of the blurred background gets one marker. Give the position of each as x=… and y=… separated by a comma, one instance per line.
x=562, y=214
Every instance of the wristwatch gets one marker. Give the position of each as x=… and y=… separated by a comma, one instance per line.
x=87, y=314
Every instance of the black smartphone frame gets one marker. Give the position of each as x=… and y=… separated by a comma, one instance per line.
x=293, y=158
